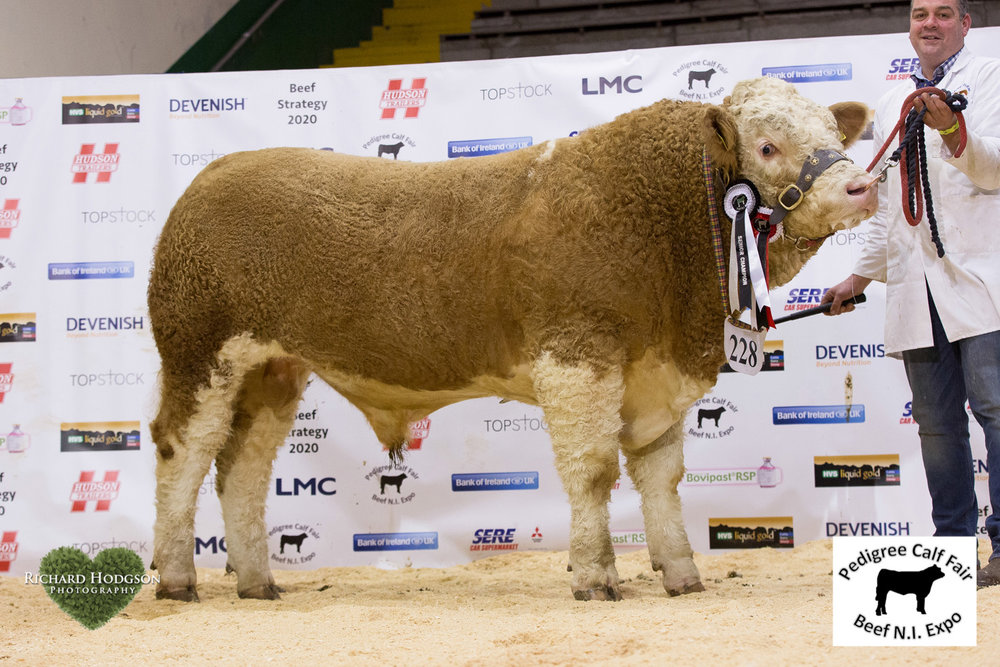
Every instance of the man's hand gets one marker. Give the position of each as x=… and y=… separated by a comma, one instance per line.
x=939, y=117
x=851, y=286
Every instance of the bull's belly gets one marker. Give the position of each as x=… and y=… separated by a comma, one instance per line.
x=657, y=396
x=371, y=393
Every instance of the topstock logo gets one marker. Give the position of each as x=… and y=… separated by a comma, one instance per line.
x=88, y=162
x=87, y=490
x=10, y=215
x=410, y=99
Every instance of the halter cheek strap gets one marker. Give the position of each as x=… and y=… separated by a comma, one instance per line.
x=812, y=168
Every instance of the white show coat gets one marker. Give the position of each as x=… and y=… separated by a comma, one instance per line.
x=965, y=283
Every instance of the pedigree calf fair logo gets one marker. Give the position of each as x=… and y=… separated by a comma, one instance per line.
x=411, y=99
x=395, y=484
x=700, y=80
x=712, y=418
x=88, y=162
x=904, y=591
x=296, y=544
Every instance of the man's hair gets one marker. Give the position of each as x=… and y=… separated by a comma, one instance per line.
x=963, y=7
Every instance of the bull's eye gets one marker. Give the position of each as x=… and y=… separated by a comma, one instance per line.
x=768, y=150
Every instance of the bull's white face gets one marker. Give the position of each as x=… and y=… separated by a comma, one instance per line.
x=778, y=130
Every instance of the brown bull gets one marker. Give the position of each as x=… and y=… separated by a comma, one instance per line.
x=577, y=275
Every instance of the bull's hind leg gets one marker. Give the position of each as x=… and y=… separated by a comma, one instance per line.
x=656, y=470
x=582, y=408
x=265, y=411
x=185, y=447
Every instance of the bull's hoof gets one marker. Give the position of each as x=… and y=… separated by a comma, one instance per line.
x=187, y=594
x=262, y=592
x=696, y=587
x=606, y=593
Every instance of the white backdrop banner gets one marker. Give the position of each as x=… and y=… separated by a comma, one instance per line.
x=818, y=445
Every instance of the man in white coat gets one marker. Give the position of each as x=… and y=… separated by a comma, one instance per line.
x=943, y=312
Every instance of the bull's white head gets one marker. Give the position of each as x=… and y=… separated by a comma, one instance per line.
x=773, y=130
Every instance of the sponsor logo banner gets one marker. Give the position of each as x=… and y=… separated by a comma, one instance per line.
x=860, y=470
x=10, y=215
x=810, y=73
x=904, y=591
x=494, y=481
x=817, y=414
x=90, y=270
x=395, y=541
x=17, y=327
x=8, y=549
x=99, y=436
x=478, y=147
x=751, y=532
x=79, y=109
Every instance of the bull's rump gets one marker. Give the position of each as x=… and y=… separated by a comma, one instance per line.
x=389, y=270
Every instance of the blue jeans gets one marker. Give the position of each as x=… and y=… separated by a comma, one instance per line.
x=941, y=379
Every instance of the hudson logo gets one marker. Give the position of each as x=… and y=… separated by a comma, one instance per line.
x=88, y=162
x=100, y=109
x=751, y=532
x=902, y=68
x=713, y=416
x=17, y=328
x=10, y=215
x=8, y=549
x=395, y=97
x=99, y=492
x=618, y=85
x=861, y=470
x=6, y=379
x=904, y=591
x=99, y=437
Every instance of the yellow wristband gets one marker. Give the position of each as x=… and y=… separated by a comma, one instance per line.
x=950, y=130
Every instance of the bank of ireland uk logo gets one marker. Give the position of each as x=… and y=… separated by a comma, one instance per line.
x=88, y=162
x=904, y=591
x=86, y=490
x=410, y=100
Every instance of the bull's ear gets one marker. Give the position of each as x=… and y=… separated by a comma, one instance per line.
x=720, y=135
x=852, y=119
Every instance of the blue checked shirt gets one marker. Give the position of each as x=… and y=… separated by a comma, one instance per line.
x=939, y=73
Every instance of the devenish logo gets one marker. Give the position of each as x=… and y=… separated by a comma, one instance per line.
x=9, y=216
x=396, y=97
x=87, y=490
x=88, y=162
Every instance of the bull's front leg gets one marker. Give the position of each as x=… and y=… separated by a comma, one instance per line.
x=582, y=407
x=656, y=469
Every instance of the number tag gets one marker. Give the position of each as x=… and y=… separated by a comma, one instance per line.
x=744, y=346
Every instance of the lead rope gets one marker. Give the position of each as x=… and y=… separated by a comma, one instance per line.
x=916, y=189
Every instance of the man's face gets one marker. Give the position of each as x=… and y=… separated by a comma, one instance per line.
x=937, y=31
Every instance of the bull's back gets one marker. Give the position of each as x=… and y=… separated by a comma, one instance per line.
x=381, y=268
